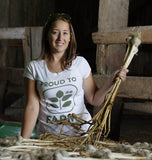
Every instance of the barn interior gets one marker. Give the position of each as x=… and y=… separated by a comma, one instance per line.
x=132, y=109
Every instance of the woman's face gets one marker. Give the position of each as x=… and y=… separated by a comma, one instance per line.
x=59, y=37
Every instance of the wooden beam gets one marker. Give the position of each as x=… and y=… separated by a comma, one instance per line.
x=141, y=107
x=15, y=43
x=36, y=39
x=3, y=85
x=4, y=12
x=113, y=14
x=119, y=36
x=12, y=33
x=14, y=75
x=27, y=50
x=133, y=87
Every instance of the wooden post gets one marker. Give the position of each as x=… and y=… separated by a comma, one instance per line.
x=4, y=12
x=36, y=36
x=11, y=74
x=113, y=14
x=27, y=45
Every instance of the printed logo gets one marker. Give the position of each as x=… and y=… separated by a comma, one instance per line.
x=60, y=97
x=63, y=101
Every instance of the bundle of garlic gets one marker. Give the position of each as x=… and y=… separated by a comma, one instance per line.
x=102, y=119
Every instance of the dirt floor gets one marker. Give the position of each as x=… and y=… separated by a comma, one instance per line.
x=135, y=127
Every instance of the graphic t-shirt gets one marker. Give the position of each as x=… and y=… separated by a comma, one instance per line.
x=61, y=94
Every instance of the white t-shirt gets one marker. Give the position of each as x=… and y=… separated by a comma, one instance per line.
x=61, y=94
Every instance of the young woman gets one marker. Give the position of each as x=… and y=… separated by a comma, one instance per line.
x=58, y=81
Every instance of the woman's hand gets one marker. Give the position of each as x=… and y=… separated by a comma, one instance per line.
x=121, y=73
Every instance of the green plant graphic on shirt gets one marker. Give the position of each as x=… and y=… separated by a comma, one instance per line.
x=60, y=100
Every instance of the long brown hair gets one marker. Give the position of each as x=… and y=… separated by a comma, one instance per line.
x=70, y=53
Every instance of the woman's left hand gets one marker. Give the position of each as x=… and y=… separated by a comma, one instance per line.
x=122, y=73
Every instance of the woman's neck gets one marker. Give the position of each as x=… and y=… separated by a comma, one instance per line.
x=56, y=57
x=54, y=64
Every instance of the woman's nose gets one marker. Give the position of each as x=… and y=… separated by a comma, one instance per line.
x=59, y=36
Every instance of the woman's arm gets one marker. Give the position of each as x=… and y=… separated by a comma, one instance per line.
x=96, y=96
x=31, y=108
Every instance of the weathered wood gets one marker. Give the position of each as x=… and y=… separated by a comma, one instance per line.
x=15, y=43
x=23, y=33
x=115, y=57
x=119, y=36
x=36, y=35
x=133, y=87
x=3, y=52
x=12, y=33
x=145, y=107
x=3, y=85
x=27, y=46
x=113, y=14
x=108, y=59
x=4, y=12
x=101, y=59
x=17, y=15
x=15, y=75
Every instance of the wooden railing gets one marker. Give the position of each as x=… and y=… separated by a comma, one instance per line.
x=31, y=43
x=133, y=87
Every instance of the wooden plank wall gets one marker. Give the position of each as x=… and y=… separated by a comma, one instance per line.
x=19, y=13
x=29, y=13
x=113, y=14
x=106, y=40
x=118, y=36
x=36, y=34
x=31, y=44
x=4, y=7
x=134, y=87
x=11, y=73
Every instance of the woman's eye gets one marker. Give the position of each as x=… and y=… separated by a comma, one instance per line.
x=65, y=33
x=54, y=32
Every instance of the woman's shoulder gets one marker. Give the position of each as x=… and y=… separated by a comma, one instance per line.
x=80, y=62
x=35, y=63
x=82, y=65
x=79, y=59
x=34, y=68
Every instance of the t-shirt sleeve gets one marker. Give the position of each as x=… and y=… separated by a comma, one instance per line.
x=29, y=71
x=84, y=68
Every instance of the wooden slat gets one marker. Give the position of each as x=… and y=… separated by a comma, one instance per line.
x=119, y=36
x=15, y=43
x=27, y=46
x=3, y=85
x=133, y=87
x=4, y=12
x=101, y=58
x=12, y=33
x=145, y=107
x=113, y=14
x=14, y=75
x=36, y=36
